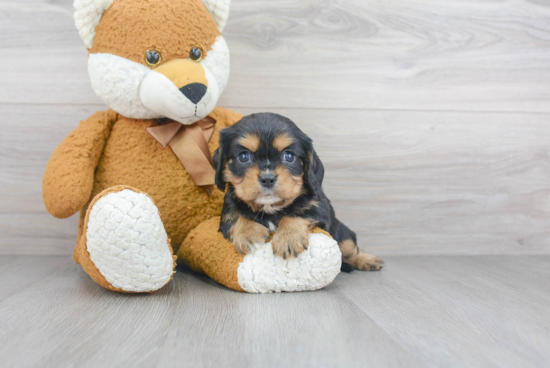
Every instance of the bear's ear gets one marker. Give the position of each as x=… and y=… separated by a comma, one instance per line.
x=87, y=14
x=219, y=10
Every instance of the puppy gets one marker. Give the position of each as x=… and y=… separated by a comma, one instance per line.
x=274, y=185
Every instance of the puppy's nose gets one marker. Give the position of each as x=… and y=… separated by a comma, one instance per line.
x=268, y=180
x=194, y=92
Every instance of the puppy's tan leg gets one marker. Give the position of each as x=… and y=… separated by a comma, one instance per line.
x=247, y=234
x=292, y=237
x=352, y=255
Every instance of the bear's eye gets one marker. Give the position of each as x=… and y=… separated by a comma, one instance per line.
x=195, y=54
x=153, y=58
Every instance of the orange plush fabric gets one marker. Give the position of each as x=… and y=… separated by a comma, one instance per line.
x=206, y=250
x=107, y=153
x=132, y=157
x=69, y=176
x=128, y=29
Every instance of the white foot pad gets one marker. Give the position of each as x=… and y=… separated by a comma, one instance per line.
x=127, y=242
x=263, y=272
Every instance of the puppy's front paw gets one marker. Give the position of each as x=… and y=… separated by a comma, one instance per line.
x=246, y=245
x=366, y=262
x=246, y=235
x=289, y=244
x=292, y=237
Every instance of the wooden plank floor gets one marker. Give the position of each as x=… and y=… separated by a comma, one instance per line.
x=424, y=311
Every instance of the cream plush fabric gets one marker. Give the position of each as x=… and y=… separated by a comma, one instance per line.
x=87, y=14
x=127, y=242
x=263, y=272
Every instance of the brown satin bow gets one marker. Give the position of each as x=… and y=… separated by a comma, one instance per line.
x=190, y=144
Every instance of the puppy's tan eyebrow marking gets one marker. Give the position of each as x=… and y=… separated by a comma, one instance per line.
x=250, y=142
x=282, y=141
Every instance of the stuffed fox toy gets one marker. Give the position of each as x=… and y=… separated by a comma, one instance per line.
x=141, y=173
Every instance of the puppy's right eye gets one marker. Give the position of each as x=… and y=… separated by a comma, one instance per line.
x=244, y=157
x=289, y=157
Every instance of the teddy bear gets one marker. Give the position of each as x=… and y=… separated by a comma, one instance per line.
x=141, y=172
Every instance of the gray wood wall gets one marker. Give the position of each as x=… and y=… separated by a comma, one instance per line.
x=432, y=117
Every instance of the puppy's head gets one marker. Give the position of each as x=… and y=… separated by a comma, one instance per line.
x=269, y=161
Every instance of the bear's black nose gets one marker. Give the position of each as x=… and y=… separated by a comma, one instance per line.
x=194, y=92
x=268, y=180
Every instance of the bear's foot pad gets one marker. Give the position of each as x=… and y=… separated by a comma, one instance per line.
x=315, y=268
x=128, y=244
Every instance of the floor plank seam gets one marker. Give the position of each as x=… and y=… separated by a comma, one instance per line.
x=390, y=337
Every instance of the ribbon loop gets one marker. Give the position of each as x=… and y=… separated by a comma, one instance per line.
x=190, y=145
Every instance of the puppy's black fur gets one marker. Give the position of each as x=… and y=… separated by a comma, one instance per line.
x=297, y=160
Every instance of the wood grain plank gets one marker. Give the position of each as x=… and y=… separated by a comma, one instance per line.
x=51, y=61
x=481, y=311
x=68, y=320
x=483, y=55
x=315, y=329
x=427, y=183
x=29, y=136
x=18, y=272
x=406, y=182
x=37, y=234
x=417, y=55
x=456, y=311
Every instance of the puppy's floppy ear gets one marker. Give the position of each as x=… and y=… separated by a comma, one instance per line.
x=216, y=160
x=220, y=157
x=314, y=171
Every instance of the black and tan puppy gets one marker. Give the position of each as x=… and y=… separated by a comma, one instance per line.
x=274, y=180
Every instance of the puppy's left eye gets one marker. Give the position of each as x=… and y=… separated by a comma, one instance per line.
x=244, y=157
x=289, y=157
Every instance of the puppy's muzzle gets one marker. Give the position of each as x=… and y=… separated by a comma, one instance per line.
x=268, y=180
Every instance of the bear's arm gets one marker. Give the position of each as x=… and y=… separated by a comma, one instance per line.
x=69, y=176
